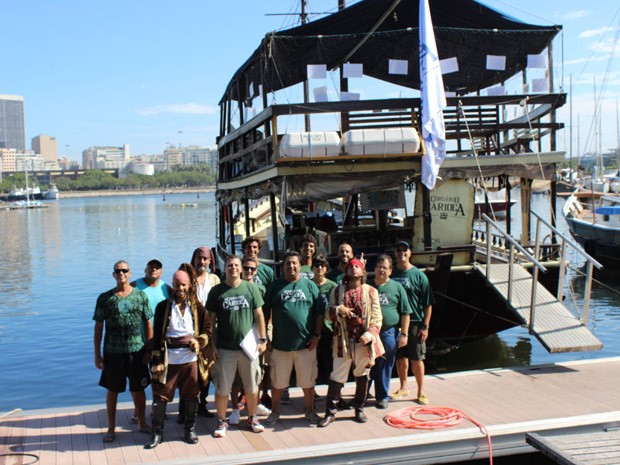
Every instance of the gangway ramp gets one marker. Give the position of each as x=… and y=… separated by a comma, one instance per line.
x=555, y=326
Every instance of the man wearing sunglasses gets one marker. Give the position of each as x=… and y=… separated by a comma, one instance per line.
x=125, y=313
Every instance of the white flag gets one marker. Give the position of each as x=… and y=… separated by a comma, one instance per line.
x=433, y=100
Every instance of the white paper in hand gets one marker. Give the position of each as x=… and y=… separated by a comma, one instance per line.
x=249, y=344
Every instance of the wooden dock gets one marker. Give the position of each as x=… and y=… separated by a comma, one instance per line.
x=598, y=448
x=557, y=329
x=550, y=399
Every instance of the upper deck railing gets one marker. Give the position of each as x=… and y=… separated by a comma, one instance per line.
x=472, y=122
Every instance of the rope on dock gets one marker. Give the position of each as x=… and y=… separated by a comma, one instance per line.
x=440, y=417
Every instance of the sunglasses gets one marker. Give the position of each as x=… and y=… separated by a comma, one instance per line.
x=121, y=270
x=320, y=265
x=249, y=268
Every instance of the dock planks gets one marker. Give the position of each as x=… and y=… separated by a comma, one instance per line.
x=547, y=399
x=557, y=329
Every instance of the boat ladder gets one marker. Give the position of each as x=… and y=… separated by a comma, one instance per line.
x=547, y=318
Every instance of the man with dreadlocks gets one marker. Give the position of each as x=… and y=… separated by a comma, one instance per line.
x=355, y=313
x=181, y=330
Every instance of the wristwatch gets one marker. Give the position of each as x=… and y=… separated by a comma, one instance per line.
x=262, y=340
x=404, y=334
x=423, y=327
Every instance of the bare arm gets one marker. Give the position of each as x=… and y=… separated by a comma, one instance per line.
x=259, y=321
x=98, y=337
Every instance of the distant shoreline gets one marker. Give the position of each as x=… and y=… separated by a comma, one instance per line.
x=119, y=193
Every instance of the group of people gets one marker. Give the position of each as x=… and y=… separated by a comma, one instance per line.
x=309, y=319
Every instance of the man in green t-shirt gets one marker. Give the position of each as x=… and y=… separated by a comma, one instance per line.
x=126, y=315
x=307, y=251
x=345, y=253
x=251, y=247
x=296, y=311
x=235, y=307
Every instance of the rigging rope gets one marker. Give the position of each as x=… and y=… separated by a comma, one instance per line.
x=440, y=417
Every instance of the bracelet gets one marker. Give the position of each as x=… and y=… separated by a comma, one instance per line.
x=404, y=334
x=262, y=340
x=423, y=327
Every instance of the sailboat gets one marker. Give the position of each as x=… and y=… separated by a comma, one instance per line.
x=28, y=203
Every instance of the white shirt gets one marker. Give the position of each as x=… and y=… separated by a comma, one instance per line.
x=180, y=325
x=203, y=291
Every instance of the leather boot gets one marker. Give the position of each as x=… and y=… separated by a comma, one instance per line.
x=191, y=408
x=157, y=418
x=181, y=417
x=361, y=391
x=333, y=395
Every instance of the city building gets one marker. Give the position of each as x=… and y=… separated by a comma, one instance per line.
x=12, y=127
x=190, y=156
x=7, y=160
x=46, y=146
x=105, y=158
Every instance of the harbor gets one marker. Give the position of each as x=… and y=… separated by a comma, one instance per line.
x=523, y=348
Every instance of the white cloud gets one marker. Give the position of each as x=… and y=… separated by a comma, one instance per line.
x=595, y=32
x=575, y=14
x=187, y=108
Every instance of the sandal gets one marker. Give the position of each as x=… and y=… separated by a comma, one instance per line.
x=423, y=399
x=109, y=437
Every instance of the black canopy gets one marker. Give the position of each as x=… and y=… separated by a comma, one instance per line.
x=464, y=29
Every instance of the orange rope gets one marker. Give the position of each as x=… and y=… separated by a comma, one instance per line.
x=443, y=417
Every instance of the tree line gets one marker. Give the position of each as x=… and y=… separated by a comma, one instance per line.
x=180, y=176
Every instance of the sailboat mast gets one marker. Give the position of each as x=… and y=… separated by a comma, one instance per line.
x=570, y=132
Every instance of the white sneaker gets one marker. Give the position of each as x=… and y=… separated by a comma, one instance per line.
x=222, y=427
x=234, y=417
x=255, y=425
x=262, y=410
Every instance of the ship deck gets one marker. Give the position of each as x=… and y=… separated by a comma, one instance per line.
x=566, y=397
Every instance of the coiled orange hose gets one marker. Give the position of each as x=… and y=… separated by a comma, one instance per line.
x=442, y=417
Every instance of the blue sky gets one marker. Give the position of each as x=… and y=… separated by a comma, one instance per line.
x=151, y=73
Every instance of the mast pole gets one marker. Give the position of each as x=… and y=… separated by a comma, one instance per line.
x=304, y=18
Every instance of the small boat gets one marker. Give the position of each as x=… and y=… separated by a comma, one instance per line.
x=27, y=205
x=51, y=193
x=18, y=194
x=594, y=220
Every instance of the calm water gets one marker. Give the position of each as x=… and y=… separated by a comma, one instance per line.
x=56, y=261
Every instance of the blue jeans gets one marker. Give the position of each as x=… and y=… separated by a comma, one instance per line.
x=381, y=373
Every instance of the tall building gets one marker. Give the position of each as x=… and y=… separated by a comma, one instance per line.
x=46, y=146
x=12, y=127
x=104, y=158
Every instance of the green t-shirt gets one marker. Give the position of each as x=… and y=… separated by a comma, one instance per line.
x=294, y=308
x=234, y=307
x=325, y=290
x=264, y=275
x=124, y=319
x=306, y=272
x=418, y=290
x=335, y=275
x=394, y=303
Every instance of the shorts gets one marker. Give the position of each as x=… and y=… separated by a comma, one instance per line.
x=415, y=349
x=282, y=363
x=117, y=368
x=228, y=363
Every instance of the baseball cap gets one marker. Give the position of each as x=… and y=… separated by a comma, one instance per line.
x=403, y=243
x=154, y=263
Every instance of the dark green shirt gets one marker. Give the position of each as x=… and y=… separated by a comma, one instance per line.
x=394, y=303
x=325, y=290
x=294, y=308
x=335, y=275
x=234, y=307
x=306, y=272
x=124, y=319
x=418, y=291
x=264, y=275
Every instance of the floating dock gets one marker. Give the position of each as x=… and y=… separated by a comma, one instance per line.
x=574, y=397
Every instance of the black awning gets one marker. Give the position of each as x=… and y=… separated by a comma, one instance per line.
x=464, y=29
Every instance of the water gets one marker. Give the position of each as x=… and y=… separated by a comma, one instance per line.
x=55, y=262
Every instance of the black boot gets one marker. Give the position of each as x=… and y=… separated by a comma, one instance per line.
x=158, y=413
x=181, y=417
x=333, y=395
x=361, y=391
x=191, y=408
